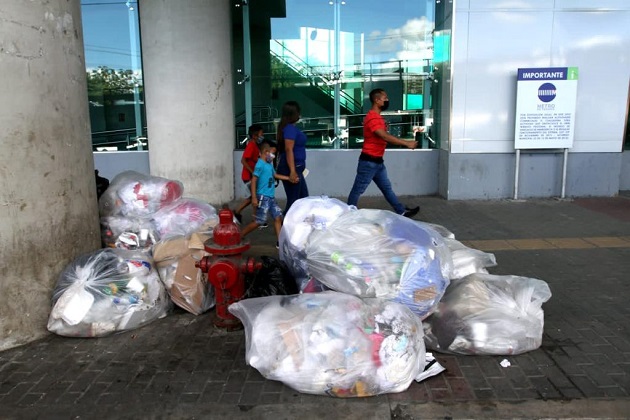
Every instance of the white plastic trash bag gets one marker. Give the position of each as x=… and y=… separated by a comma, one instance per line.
x=107, y=291
x=377, y=253
x=183, y=217
x=488, y=315
x=306, y=215
x=133, y=194
x=332, y=343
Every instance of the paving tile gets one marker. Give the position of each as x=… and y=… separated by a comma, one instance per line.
x=607, y=242
x=528, y=244
x=491, y=245
x=569, y=243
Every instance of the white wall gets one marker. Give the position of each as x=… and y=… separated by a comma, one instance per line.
x=331, y=172
x=493, y=38
x=110, y=164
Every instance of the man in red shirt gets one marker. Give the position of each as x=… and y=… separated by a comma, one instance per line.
x=249, y=159
x=371, y=166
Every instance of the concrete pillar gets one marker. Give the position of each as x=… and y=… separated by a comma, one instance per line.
x=48, y=207
x=187, y=65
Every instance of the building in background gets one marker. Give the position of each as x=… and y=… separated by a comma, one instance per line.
x=449, y=68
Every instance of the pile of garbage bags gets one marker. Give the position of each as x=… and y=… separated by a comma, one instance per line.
x=153, y=237
x=349, y=309
x=150, y=214
x=328, y=245
x=332, y=343
x=139, y=210
x=107, y=291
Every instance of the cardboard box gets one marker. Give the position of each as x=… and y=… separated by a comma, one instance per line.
x=191, y=290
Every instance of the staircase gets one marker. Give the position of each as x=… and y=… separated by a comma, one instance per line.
x=297, y=70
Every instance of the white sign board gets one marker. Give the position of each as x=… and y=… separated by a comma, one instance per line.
x=545, y=108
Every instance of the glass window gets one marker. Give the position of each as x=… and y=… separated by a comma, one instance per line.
x=114, y=74
x=329, y=54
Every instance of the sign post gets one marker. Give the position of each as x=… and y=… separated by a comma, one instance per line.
x=545, y=112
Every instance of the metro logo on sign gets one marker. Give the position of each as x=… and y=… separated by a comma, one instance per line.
x=547, y=92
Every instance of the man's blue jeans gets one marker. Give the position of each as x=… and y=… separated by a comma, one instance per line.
x=370, y=171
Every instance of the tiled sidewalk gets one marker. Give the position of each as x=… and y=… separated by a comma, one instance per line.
x=182, y=367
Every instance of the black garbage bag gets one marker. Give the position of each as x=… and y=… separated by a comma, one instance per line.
x=272, y=279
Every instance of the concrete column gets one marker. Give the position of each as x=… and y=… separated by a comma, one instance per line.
x=186, y=53
x=48, y=207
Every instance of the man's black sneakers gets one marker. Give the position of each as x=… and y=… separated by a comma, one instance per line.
x=239, y=217
x=411, y=212
x=263, y=226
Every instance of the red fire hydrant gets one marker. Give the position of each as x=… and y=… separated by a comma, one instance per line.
x=226, y=268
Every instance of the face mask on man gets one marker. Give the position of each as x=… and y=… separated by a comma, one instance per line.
x=260, y=139
x=270, y=157
x=385, y=106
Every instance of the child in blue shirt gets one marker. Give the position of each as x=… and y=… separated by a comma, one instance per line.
x=263, y=188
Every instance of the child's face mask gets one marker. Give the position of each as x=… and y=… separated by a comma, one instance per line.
x=270, y=157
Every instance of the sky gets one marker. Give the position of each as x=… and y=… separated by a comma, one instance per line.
x=106, y=33
x=356, y=15
x=391, y=30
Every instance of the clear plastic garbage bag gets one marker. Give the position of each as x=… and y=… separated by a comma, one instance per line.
x=332, y=343
x=489, y=315
x=131, y=233
x=306, y=215
x=468, y=260
x=134, y=194
x=107, y=291
x=183, y=217
x=377, y=253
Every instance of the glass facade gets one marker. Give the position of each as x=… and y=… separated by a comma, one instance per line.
x=325, y=54
x=114, y=75
x=328, y=55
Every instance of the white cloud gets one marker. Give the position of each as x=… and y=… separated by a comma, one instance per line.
x=411, y=41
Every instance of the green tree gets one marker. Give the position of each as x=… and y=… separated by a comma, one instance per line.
x=104, y=81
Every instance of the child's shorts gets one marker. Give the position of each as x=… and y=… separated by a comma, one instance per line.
x=265, y=206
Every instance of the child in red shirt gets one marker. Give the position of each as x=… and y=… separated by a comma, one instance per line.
x=249, y=159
